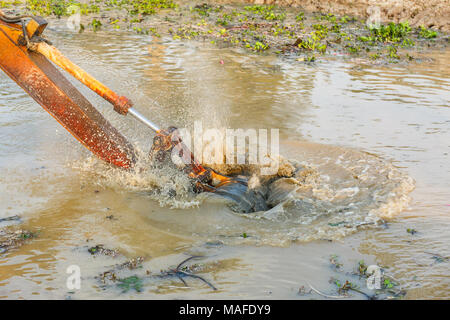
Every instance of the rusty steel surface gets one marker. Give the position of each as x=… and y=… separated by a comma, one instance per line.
x=45, y=84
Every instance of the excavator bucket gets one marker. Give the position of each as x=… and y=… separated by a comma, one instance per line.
x=45, y=84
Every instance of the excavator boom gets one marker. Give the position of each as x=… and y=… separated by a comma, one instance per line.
x=30, y=60
x=45, y=84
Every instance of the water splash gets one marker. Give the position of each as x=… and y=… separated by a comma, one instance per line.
x=332, y=192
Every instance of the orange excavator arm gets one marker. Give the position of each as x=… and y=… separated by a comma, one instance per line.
x=31, y=70
x=27, y=58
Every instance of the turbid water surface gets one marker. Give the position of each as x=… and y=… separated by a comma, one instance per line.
x=366, y=135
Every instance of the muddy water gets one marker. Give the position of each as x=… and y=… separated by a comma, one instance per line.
x=366, y=136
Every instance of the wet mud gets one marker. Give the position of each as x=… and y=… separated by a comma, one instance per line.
x=269, y=27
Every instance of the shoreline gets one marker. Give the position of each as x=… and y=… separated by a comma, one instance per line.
x=291, y=31
x=433, y=14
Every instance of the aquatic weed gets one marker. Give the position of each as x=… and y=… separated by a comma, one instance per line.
x=300, y=17
x=407, y=42
x=387, y=284
x=9, y=4
x=224, y=20
x=346, y=19
x=147, y=7
x=334, y=260
x=96, y=25
x=129, y=283
x=265, y=21
x=59, y=8
x=353, y=49
x=392, y=52
x=265, y=12
x=336, y=28
x=323, y=29
x=362, y=268
x=392, y=32
x=313, y=43
x=202, y=9
x=427, y=33
x=328, y=17
x=260, y=46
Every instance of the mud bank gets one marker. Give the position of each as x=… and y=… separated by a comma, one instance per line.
x=299, y=33
x=430, y=13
